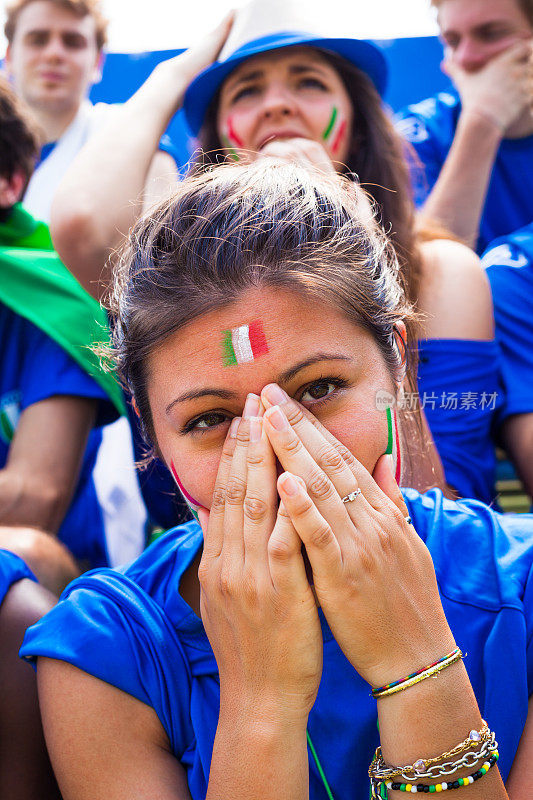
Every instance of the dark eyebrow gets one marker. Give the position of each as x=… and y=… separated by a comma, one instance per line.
x=284, y=377
x=295, y=69
x=196, y=394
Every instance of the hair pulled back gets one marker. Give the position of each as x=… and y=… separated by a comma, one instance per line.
x=242, y=227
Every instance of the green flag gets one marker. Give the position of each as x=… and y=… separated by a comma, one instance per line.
x=36, y=285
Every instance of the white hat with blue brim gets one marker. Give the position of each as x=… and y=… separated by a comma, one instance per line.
x=265, y=25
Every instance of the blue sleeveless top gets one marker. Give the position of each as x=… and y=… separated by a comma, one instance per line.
x=509, y=265
x=12, y=569
x=459, y=383
x=131, y=628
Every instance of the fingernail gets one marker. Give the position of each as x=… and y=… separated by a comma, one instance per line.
x=251, y=406
x=232, y=433
x=289, y=485
x=256, y=425
x=277, y=418
x=274, y=394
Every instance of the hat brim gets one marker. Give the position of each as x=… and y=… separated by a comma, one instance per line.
x=362, y=54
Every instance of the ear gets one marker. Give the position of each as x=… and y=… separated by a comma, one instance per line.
x=11, y=189
x=98, y=67
x=400, y=345
x=6, y=67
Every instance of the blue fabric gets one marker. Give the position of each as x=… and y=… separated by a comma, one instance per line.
x=164, y=503
x=430, y=126
x=34, y=368
x=12, y=569
x=362, y=54
x=131, y=628
x=459, y=382
x=46, y=149
x=509, y=266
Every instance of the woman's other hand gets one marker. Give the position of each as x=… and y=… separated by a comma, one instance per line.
x=373, y=575
x=257, y=606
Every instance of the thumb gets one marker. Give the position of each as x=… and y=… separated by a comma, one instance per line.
x=203, y=519
x=384, y=477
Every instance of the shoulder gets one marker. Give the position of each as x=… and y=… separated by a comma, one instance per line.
x=481, y=557
x=434, y=116
x=454, y=293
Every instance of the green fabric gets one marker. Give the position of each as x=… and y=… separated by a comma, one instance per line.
x=37, y=286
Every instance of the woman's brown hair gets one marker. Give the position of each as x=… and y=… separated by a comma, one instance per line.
x=376, y=158
x=240, y=227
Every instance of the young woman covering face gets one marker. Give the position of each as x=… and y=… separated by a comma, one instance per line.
x=259, y=322
x=314, y=102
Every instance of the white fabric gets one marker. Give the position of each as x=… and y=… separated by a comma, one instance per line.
x=46, y=178
x=118, y=493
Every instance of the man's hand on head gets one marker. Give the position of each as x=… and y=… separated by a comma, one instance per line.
x=501, y=90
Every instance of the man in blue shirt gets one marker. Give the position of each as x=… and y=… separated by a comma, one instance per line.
x=476, y=144
x=509, y=265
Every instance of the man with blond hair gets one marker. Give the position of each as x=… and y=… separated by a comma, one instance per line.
x=476, y=143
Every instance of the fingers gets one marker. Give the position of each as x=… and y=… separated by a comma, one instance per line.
x=295, y=458
x=384, y=478
x=260, y=502
x=316, y=438
x=214, y=530
x=236, y=487
x=286, y=564
x=321, y=544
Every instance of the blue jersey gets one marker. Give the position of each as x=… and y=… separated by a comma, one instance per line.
x=34, y=368
x=12, y=569
x=131, y=628
x=509, y=265
x=459, y=383
x=430, y=127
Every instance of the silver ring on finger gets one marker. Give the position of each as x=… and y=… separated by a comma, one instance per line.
x=351, y=496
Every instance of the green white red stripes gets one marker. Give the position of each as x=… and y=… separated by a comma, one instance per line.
x=393, y=443
x=193, y=504
x=244, y=344
x=334, y=130
x=231, y=139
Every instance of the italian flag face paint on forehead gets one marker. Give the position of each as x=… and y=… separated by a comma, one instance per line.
x=244, y=344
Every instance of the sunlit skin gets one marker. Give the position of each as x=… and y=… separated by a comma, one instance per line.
x=475, y=31
x=339, y=390
x=53, y=58
x=282, y=95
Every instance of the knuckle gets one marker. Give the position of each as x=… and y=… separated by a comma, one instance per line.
x=219, y=499
x=280, y=549
x=254, y=459
x=235, y=490
x=346, y=455
x=320, y=536
x=226, y=582
x=204, y=573
x=329, y=457
x=293, y=445
x=255, y=508
x=293, y=413
x=320, y=487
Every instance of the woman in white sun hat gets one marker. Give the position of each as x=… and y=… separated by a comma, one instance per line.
x=278, y=90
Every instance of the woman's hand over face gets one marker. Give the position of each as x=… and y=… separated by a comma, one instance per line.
x=257, y=606
x=304, y=152
x=373, y=575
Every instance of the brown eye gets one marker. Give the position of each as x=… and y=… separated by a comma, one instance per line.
x=210, y=420
x=319, y=390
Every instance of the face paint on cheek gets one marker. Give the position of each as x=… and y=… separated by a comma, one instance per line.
x=244, y=344
x=393, y=443
x=334, y=130
x=193, y=504
x=230, y=139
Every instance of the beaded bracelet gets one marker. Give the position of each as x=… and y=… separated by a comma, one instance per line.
x=420, y=675
x=423, y=767
x=379, y=788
